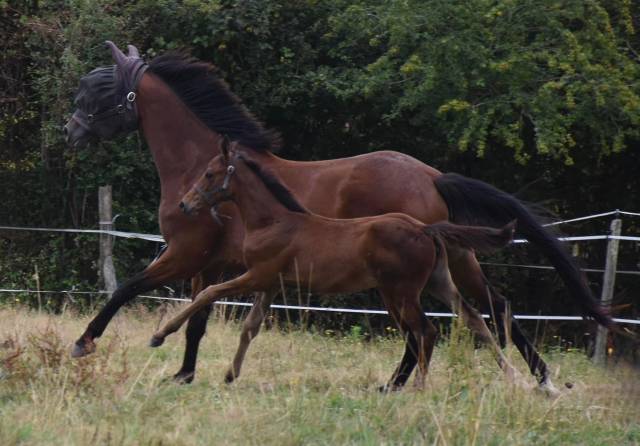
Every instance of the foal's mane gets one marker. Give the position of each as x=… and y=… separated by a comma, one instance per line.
x=277, y=189
x=203, y=91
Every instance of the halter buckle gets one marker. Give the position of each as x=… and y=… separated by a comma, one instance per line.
x=131, y=96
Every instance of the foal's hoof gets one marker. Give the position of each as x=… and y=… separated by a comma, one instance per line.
x=83, y=347
x=156, y=341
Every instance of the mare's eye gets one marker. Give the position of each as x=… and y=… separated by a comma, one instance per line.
x=208, y=175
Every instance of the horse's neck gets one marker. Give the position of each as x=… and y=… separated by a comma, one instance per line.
x=257, y=205
x=180, y=144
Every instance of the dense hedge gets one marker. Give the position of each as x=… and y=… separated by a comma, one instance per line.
x=542, y=95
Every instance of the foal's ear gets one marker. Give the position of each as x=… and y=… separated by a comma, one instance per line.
x=224, y=147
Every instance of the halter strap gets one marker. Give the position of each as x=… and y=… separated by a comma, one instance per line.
x=208, y=196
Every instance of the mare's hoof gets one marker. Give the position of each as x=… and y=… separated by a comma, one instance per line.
x=547, y=389
x=82, y=348
x=388, y=388
x=229, y=377
x=184, y=377
x=156, y=341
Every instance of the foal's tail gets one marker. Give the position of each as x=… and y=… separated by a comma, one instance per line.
x=478, y=238
x=475, y=202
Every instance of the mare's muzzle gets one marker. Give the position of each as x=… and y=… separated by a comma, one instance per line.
x=76, y=131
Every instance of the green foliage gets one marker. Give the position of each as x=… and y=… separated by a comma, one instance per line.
x=535, y=77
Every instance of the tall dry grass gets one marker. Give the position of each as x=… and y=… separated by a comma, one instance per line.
x=297, y=387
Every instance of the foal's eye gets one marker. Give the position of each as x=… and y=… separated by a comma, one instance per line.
x=208, y=175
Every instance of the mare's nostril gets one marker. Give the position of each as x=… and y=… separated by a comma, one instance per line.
x=181, y=205
x=65, y=131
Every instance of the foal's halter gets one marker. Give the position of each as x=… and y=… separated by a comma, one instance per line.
x=209, y=197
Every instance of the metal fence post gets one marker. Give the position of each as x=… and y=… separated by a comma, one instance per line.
x=608, y=283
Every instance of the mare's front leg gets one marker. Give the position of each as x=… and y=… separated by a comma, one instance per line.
x=168, y=267
x=239, y=285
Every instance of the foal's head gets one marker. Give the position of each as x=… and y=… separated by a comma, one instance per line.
x=105, y=101
x=214, y=186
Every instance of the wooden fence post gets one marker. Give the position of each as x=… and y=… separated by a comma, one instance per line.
x=608, y=282
x=107, y=271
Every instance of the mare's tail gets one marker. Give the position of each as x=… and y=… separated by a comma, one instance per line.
x=475, y=202
x=479, y=238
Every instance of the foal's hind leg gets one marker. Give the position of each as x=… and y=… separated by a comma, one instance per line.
x=441, y=286
x=250, y=329
x=469, y=277
x=421, y=334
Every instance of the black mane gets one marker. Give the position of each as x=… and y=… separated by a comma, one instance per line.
x=200, y=87
x=277, y=189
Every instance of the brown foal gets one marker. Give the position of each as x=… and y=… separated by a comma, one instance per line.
x=286, y=244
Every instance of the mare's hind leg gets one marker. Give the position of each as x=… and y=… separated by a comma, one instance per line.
x=468, y=276
x=250, y=329
x=407, y=363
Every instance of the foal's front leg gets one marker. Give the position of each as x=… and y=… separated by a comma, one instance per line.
x=209, y=295
x=250, y=329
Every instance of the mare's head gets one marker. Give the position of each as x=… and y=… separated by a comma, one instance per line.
x=105, y=100
x=214, y=186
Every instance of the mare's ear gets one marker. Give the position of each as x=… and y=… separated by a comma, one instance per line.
x=133, y=52
x=225, y=146
x=118, y=56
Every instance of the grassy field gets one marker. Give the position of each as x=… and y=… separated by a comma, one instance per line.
x=296, y=388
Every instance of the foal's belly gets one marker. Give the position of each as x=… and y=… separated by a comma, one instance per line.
x=330, y=268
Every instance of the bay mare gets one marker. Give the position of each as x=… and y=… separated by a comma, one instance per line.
x=183, y=108
x=285, y=244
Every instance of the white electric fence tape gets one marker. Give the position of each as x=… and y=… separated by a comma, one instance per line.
x=325, y=309
x=138, y=235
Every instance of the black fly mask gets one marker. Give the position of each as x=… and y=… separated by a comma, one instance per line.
x=106, y=99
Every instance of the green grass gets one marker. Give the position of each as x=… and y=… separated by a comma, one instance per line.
x=296, y=388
